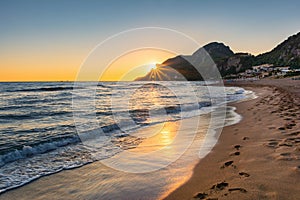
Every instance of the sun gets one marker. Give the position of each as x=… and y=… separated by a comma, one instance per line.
x=152, y=66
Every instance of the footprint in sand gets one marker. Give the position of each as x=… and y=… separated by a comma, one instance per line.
x=297, y=140
x=290, y=125
x=285, y=154
x=237, y=153
x=294, y=133
x=237, y=189
x=291, y=139
x=285, y=158
x=201, y=195
x=244, y=174
x=219, y=186
x=286, y=144
x=272, y=144
x=227, y=164
x=216, y=188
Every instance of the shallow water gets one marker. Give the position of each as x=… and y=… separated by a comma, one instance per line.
x=38, y=135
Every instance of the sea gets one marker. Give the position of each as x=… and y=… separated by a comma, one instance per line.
x=39, y=135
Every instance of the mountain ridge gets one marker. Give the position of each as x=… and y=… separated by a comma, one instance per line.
x=286, y=53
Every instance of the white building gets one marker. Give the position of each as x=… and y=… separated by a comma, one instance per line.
x=264, y=67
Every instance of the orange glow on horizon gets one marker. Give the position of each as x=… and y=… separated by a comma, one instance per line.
x=135, y=64
x=65, y=67
x=40, y=66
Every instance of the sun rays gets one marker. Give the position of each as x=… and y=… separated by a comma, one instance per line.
x=162, y=73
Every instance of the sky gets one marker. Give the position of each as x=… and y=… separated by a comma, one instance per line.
x=50, y=40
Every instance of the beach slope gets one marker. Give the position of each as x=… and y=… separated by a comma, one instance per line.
x=258, y=158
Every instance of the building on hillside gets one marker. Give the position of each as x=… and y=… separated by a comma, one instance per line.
x=282, y=71
x=286, y=69
x=264, y=67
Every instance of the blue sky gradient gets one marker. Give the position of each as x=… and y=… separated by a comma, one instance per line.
x=29, y=27
x=90, y=21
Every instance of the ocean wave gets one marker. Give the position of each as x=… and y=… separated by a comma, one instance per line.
x=14, y=107
x=140, y=118
x=49, y=89
x=103, y=85
x=44, y=89
x=28, y=151
x=33, y=115
x=40, y=151
x=167, y=96
x=23, y=171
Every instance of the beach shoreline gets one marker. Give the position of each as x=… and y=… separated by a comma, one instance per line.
x=234, y=169
x=68, y=182
x=258, y=158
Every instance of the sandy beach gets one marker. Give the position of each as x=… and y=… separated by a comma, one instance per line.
x=149, y=100
x=258, y=158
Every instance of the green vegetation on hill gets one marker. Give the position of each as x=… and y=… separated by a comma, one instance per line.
x=285, y=54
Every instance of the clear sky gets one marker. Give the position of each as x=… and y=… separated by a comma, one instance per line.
x=49, y=40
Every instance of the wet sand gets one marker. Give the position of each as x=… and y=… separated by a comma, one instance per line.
x=258, y=158
x=97, y=181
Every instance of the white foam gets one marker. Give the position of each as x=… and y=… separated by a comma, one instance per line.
x=31, y=162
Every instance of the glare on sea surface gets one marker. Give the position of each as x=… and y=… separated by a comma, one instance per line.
x=163, y=138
